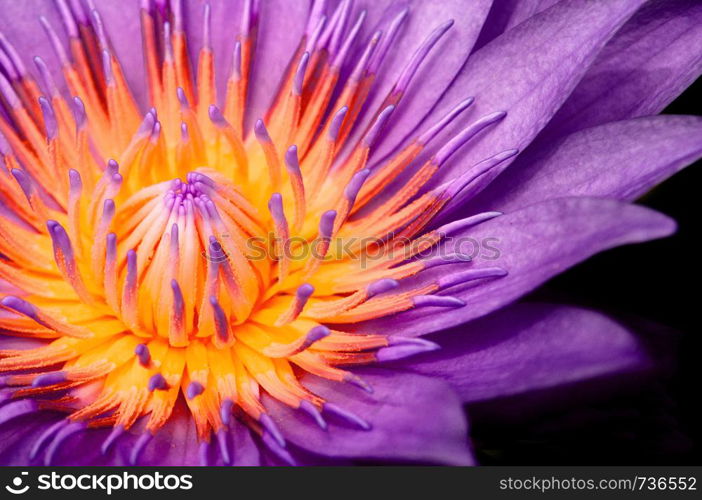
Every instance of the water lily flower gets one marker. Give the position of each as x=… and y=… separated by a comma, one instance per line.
x=237, y=231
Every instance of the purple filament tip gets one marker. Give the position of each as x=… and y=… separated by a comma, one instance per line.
x=326, y=224
x=381, y=286
x=225, y=411
x=48, y=379
x=313, y=412
x=291, y=160
x=377, y=127
x=346, y=416
x=261, y=131
x=355, y=184
x=157, y=383
x=404, y=350
x=268, y=424
x=111, y=439
x=194, y=389
x=336, y=123
x=142, y=352
x=299, y=78
x=437, y=301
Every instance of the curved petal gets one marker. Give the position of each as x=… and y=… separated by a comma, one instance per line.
x=621, y=160
x=413, y=418
x=532, y=244
x=652, y=59
x=506, y=14
x=528, y=347
x=529, y=72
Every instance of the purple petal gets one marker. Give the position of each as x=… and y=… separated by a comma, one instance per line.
x=620, y=160
x=506, y=14
x=529, y=72
x=413, y=418
x=653, y=58
x=532, y=244
x=529, y=347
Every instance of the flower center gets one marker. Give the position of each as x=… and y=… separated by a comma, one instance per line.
x=196, y=263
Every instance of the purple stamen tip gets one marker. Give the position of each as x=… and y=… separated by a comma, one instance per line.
x=405, y=350
x=304, y=291
x=194, y=389
x=381, y=286
x=313, y=412
x=225, y=411
x=270, y=426
x=275, y=206
x=378, y=126
x=291, y=160
x=356, y=183
x=452, y=227
x=23, y=180
x=48, y=379
x=147, y=125
x=437, y=301
x=157, y=383
x=299, y=79
x=317, y=333
x=112, y=167
x=326, y=224
x=139, y=447
x=261, y=131
x=358, y=382
x=346, y=416
x=433, y=131
x=46, y=76
x=49, y=118
x=74, y=181
x=216, y=115
x=19, y=305
x=337, y=122
x=142, y=352
x=472, y=275
x=110, y=440
x=467, y=134
x=182, y=98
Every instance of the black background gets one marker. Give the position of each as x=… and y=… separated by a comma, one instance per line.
x=655, y=419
